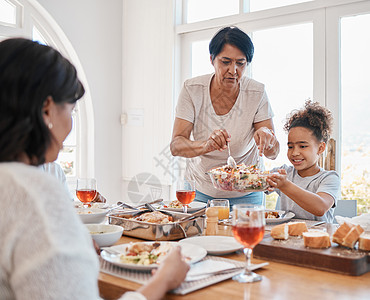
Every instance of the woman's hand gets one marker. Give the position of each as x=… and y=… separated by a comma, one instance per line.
x=266, y=142
x=170, y=274
x=99, y=198
x=277, y=180
x=217, y=141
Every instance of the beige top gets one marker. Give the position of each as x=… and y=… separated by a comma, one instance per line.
x=195, y=106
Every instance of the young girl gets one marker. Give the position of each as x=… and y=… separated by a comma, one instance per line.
x=304, y=188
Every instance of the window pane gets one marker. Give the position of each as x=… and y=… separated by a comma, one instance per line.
x=283, y=61
x=355, y=65
x=37, y=36
x=199, y=10
x=200, y=62
x=67, y=160
x=266, y=4
x=7, y=12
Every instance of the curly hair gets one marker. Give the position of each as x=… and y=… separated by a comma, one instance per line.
x=314, y=117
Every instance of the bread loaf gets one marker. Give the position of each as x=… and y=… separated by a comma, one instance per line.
x=316, y=239
x=341, y=232
x=280, y=232
x=364, y=242
x=297, y=228
x=352, y=236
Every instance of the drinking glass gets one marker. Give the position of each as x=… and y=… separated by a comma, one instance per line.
x=185, y=193
x=248, y=229
x=223, y=208
x=86, y=190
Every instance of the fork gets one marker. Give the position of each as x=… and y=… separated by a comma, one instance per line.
x=230, y=160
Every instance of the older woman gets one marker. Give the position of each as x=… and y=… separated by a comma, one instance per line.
x=220, y=108
x=45, y=250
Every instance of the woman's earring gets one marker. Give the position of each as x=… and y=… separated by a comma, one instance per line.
x=50, y=125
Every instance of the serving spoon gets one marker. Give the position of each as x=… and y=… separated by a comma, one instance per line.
x=230, y=160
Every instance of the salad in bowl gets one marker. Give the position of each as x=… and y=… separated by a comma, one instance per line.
x=241, y=179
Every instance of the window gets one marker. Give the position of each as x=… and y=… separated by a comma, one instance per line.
x=303, y=49
x=78, y=147
x=7, y=13
x=266, y=4
x=199, y=10
x=355, y=65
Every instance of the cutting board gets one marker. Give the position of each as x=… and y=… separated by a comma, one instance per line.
x=336, y=259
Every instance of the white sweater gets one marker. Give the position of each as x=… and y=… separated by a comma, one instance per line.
x=45, y=250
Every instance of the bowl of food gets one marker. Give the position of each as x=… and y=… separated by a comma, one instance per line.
x=241, y=179
x=91, y=215
x=105, y=235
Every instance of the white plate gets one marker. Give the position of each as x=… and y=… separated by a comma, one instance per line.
x=192, y=207
x=194, y=253
x=287, y=217
x=214, y=244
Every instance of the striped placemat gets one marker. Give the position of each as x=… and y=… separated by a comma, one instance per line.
x=186, y=287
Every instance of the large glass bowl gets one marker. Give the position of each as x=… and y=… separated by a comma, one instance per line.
x=242, y=179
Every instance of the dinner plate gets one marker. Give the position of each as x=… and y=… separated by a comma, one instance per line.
x=286, y=218
x=192, y=207
x=193, y=253
x=214, y=244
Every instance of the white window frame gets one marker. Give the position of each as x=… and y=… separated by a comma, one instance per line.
x=35, y=15
x=325, y=16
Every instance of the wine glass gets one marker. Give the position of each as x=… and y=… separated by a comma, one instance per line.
x=248, y=229
x=185, y=193
x=223, y=208
x=86, y=190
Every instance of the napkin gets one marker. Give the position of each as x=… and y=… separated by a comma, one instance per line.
x=362, y=220
x=206, y=266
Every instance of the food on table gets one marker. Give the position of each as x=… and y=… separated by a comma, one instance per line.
x=174, y=204
x=280, y=232
x=341, y=232
x=316, y=239
x=96, y=232
x=272, y=214
x=364, y=242
x=155, y=217
x=352, y=236
x=145, y=253
x=242, y=179
x=297, y=228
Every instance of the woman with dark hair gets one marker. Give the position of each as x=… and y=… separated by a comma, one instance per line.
x=224, y=108
x=45, y=250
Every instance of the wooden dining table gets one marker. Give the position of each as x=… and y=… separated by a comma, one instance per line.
x=280, y=281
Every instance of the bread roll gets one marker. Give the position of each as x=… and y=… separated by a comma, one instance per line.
x=341, y=232
x=280, y=232
x=297, y=228
x=364, y=242
x=352, y=236
x=316, y=239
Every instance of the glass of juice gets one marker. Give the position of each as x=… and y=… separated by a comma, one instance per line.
x=86, y=190
x=223, y=208
x=185, y=193
x=248, y=229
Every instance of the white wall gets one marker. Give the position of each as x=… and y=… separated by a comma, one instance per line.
x=148, y=40
x=94, y=27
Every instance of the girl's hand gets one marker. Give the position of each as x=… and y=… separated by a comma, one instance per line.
x=277, y=180
x=217, y=141
x=265, y=140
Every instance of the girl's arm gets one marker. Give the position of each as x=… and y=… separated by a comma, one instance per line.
x=316, y=204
